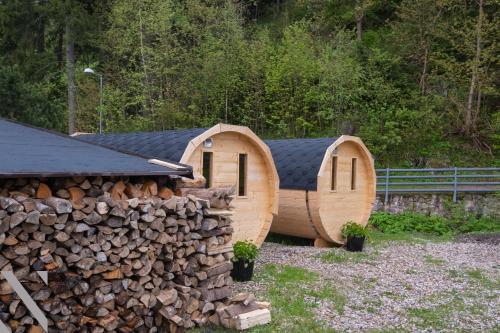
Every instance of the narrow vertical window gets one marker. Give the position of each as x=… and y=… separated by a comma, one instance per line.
x=242, y=175
x=207, y=168
x=334, y=173
x=353, y=173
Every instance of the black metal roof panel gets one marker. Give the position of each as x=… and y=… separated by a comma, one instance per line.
x=298, y=161
x=165, y=145
x=31, y=152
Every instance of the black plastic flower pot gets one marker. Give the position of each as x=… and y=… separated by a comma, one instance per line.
x=242, y=270
x=355, y=244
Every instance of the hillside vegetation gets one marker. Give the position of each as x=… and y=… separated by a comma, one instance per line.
x=417, y=80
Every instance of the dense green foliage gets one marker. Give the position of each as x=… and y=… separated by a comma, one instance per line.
x=417, y=80
x=245, y=250
x=352, y=229
x=437, y=225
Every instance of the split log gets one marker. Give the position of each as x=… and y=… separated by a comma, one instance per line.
x=220, y=197
x=43, y=191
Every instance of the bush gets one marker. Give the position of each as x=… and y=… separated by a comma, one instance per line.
x=245, y=250
x=437, y=225
x=407, y=222
x=484, y=224
x=351, y=229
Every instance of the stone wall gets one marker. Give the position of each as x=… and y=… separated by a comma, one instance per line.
x=122, y=255
x=440, y=204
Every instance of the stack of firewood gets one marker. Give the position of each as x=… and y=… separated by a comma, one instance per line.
x=218, y=197
x=240, y=312
x=122, y=256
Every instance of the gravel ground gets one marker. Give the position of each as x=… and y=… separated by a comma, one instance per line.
x=430, y=287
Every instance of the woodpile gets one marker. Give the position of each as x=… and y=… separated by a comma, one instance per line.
x=122, y=256
x=219, y=197
x=240, y=312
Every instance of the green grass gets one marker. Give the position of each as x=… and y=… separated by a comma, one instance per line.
x=378, y=238
x=458, y=222
x=287, y=288
x=477, y=276
x=439, y=317
x=328, y=292
x=435, y=261
x=336, y=256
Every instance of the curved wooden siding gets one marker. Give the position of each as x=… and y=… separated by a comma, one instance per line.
x=252, y=214
x=293, y=216
x=337, y=207
x=321, y=213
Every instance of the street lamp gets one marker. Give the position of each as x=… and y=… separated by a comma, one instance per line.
x=90, y=71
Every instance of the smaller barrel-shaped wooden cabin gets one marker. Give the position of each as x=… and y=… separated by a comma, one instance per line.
x=226, y=155
x=324, y=183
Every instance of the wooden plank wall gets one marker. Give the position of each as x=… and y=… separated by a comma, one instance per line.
x=252, y=213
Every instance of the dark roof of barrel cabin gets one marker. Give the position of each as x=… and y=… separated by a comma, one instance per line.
x=28, y=151
x=298, y=161
x=165, y=145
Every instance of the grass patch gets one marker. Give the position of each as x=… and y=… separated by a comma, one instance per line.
x=410, y=271
x=337, y=299
x=435, y=261
x=438, y=317
x=287, y=289
x=341, y=256
x=378, y=238
x=458, y=222
x=477, y=276
x=454, y=274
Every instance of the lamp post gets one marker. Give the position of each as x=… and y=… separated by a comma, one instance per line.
x=90, y=71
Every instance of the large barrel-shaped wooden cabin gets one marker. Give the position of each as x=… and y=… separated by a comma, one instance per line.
x=324, y=183
x=226, y=155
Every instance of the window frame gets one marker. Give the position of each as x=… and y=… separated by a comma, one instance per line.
x=354, y=173
x=334, y=171
x=208, y=179
x=245, y=175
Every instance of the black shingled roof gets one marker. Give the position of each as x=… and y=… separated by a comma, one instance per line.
x=298, y=161
x=164, y=145
x=32, y=152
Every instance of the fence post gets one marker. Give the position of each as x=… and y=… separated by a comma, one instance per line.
x=386, y=187
x=455, y=180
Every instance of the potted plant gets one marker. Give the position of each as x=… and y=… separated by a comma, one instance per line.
x=245, y=254
x=355, y=235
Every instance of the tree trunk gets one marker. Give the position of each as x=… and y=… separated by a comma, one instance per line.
x=359, y=13
x=40, y=35
x=424, y=71
x=475, y=69
x=225, y=111
x=70, y=73
x=143, y=62
x=359, y=27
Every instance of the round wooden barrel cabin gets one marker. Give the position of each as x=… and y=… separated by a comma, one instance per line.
x=324, y=183
x=226, y=155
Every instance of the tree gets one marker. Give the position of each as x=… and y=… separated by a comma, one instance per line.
x=469, y=68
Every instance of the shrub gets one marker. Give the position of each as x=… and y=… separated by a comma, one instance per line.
x=352, y=229
x=437, y=225
x=245, y=250
x=407, y=222
x=483, y=224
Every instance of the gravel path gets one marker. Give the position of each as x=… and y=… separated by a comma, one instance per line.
x=445, y=287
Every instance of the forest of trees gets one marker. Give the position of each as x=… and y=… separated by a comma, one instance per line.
x=417, y=80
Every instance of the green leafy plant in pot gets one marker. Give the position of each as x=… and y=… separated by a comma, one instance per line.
x=245, y=253
x=355, y=236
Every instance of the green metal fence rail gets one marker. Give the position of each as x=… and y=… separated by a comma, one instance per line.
x=438, y=180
